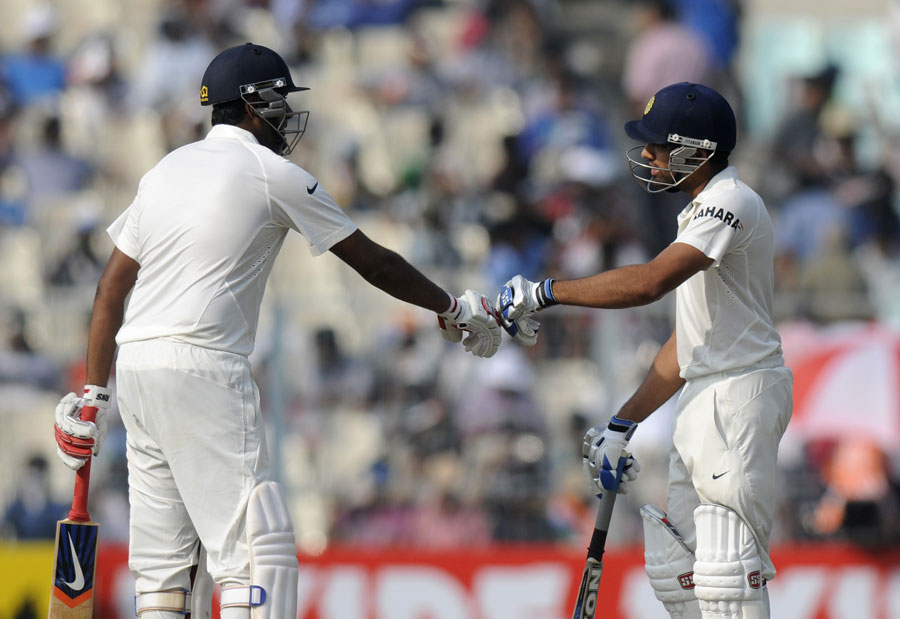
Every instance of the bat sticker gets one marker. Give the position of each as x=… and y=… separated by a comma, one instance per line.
x=75, y=557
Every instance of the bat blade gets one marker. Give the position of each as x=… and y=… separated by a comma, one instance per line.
x=587, y=601
x=74, y=566
x=586, y=605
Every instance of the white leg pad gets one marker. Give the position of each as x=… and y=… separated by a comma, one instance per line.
x=171, y=602
x=272, y=593
x=727, y=575
x=669, y=564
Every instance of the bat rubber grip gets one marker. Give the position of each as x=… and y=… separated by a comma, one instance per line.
x=597, y=545
x=79, y=511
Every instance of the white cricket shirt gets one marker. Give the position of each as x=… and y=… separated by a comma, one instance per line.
x=723, y=315
x=205, y=226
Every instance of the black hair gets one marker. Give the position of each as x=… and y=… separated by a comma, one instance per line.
x=229, y=112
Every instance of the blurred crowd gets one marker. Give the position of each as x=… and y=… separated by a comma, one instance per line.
x=480, y=139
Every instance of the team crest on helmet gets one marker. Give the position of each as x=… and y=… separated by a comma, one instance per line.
x=204, y=94
x=649, y=105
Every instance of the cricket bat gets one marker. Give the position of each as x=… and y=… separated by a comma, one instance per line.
x=586, y=604
x=75, y=552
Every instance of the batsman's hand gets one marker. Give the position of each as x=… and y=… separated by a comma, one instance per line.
x=518, y=301
x=601, y=452
x=77, y=440
x=474, y=314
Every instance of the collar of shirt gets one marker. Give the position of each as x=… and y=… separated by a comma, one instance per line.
x=727, y=175
x=230, y=131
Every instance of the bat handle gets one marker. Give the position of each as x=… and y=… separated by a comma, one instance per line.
x=79, y=511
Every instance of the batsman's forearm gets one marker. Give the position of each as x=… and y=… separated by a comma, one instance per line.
x=105, y=322
x=660, y=384
x=637, y=284
x=628, y=286
x=395, y=276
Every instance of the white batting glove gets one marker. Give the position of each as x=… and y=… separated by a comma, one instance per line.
x=604, y=466
x=77, y=440
x=473, y=313
x=518, y=300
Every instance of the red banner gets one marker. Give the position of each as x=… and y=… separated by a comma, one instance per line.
x=540, y=582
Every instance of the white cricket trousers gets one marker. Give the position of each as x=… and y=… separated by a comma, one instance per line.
x=196, y=449
x=725, y=447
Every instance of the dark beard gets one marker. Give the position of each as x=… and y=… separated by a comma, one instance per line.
x=271, y=138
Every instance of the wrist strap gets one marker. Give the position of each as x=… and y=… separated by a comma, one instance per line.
x=453, y=310
x=623, y=426
x=544, y=293
x=95, y=395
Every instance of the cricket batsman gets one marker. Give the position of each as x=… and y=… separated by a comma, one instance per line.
x=709, y=556
x=194, y=250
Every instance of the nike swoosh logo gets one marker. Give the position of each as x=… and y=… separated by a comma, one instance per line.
x=719, y=475
x=78, y=583
x=310, y=190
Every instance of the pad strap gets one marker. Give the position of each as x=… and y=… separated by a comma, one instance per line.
x=247, y=596
x=173, y=601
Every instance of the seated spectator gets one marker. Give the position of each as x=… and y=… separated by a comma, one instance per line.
x=518, y=245
x=50, y=170
x=33, y=513
x=500, y=397
x=35, y=74
x=171, y=68
x=443, y=517
x=805, y=223
x=20, y=363
x=13, y=181
x=831, y=285
x=866, y=192
x=80, y=264
x=800, y=132
x=570, y=120
x=358, y=14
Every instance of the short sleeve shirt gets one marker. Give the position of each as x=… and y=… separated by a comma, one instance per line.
x=723, y=315
x=205, y=227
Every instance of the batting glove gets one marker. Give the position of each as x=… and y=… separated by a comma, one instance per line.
x=77, y=440
x=601, y=453
x=473, y=313
x=518, y=300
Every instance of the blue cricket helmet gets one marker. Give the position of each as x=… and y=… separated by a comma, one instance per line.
x=262, y=79
x=694, y=119
x=690, y=111
x=242, y=65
